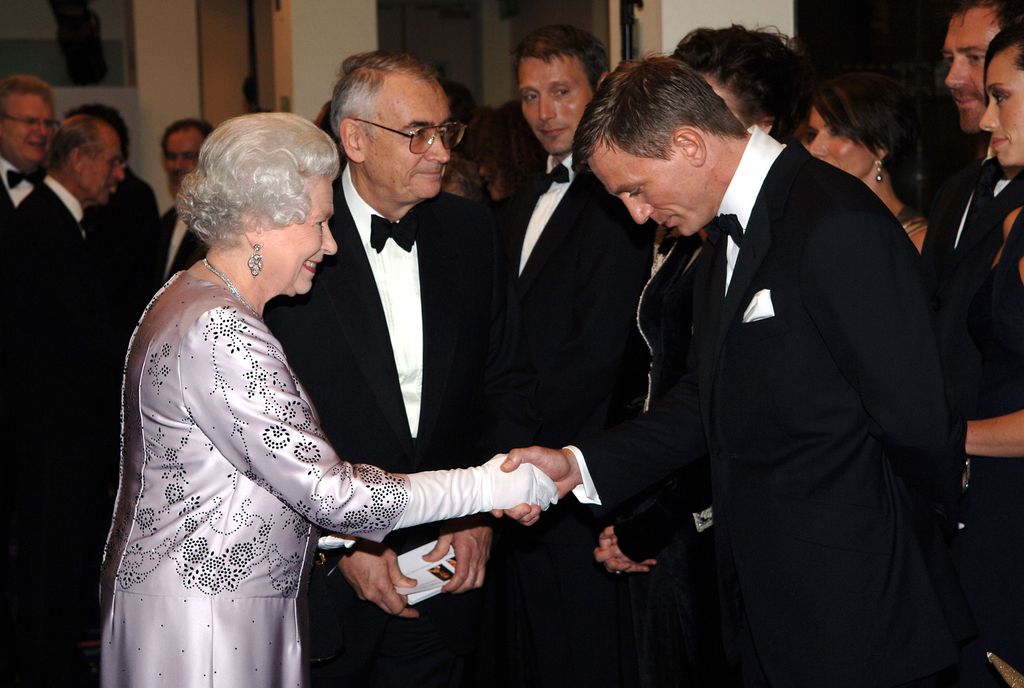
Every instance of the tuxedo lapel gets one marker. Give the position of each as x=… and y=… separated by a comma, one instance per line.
x=709, y=287
x=991, y=218
x=6, y=204
x=353, y=293
x=558, y=227
x=756, y=242
x=514, y=231
x=439, y=296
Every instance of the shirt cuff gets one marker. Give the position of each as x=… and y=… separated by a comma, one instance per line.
x=329, y=542
x=587, y=492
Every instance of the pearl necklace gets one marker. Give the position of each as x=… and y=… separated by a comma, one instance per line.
x=231, y=287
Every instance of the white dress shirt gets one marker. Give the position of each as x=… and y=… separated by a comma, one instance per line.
x=177, y=236
x=544, y=209
x=19, y=192
x=1000, y=185
x=69, y=201
x=740, y=196
x=397, y=274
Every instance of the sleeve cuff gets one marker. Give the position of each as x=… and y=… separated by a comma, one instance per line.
x=329, y=542
x=587, y=492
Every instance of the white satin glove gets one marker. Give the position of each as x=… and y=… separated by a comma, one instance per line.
x=441, y=495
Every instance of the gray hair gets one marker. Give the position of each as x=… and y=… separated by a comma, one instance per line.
x=254, y=171
x=77, y=132
x=361, y=76
x=24, y=84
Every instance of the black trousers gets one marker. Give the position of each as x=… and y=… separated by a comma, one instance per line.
x=409, y=653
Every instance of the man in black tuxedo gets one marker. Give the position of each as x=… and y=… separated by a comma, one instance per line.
x=410, y=346
x=62, y=366
x=26, y=127
x=178, y=248
x=122, y=234
x=814, y=384
x=581, y=263
x=965, y=221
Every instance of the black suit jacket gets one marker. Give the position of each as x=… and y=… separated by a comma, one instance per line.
x=477, y=385
x=123, y=237
x=6, y=206
x=189, y=251
x=830, y=439
x=579, y=291
x=953, y=275
x=62, y=374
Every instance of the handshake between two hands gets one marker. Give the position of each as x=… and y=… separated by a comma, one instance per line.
x=555, y=471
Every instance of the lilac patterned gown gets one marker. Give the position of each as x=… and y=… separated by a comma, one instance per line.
x=224, y=473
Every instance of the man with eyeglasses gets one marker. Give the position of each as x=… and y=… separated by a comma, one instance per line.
x=26, y=128
x=581, y=263
x=180, y=145
x=61, y=371
x=410, y=347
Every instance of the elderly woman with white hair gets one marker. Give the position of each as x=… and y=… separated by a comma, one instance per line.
x=225, y=473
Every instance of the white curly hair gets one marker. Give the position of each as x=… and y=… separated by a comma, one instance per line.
x=255, y=171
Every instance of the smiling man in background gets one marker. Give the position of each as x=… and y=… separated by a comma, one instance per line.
x=26, y=128
x=580, y=264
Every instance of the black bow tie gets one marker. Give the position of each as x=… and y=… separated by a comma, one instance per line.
x=402, y=232
x=984, y=191
x=728, y=225
x=14, y=177
x=558, y=174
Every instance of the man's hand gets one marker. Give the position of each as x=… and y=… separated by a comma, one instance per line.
x=608, y=553
x=471, y=537
x=559, y=464
x=372, y=571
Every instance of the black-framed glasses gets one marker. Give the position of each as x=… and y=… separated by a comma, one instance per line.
x=50, y=124
x=421, y=139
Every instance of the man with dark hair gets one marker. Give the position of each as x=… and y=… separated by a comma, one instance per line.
x=966, y=216
x=770, y=70
x=423, y=369
x=123, y=233
x=26, y=127
x=62, y=365
x=581, y=264
x=178, y=248
x=814, y=383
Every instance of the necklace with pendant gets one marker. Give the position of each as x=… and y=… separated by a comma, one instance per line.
x=231, y=287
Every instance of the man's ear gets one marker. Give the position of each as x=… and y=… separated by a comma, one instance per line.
x=353, y=139
x=76, y=158
x=690, y=144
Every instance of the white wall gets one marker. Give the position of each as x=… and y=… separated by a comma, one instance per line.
x=661, y=23
x=323, y=33
x=167, y=66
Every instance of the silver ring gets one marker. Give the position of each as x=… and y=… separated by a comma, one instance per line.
x=617, y=573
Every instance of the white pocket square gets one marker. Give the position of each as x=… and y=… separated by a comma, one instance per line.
x=760, y=307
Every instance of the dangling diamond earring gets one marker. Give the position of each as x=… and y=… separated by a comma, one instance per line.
x=256, y=261
x=878, y=172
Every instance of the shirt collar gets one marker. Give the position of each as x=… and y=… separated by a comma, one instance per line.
x=757, y=159
x=70, y=202
x=359, y=209
x=552, y=163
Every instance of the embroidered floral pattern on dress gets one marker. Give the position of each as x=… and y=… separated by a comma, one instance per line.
x=235, y=465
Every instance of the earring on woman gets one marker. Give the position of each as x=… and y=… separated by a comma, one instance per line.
x=256, y=260
x=878, y=171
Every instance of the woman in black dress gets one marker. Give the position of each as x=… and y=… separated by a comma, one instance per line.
x=990, y=554
x=666, y=538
